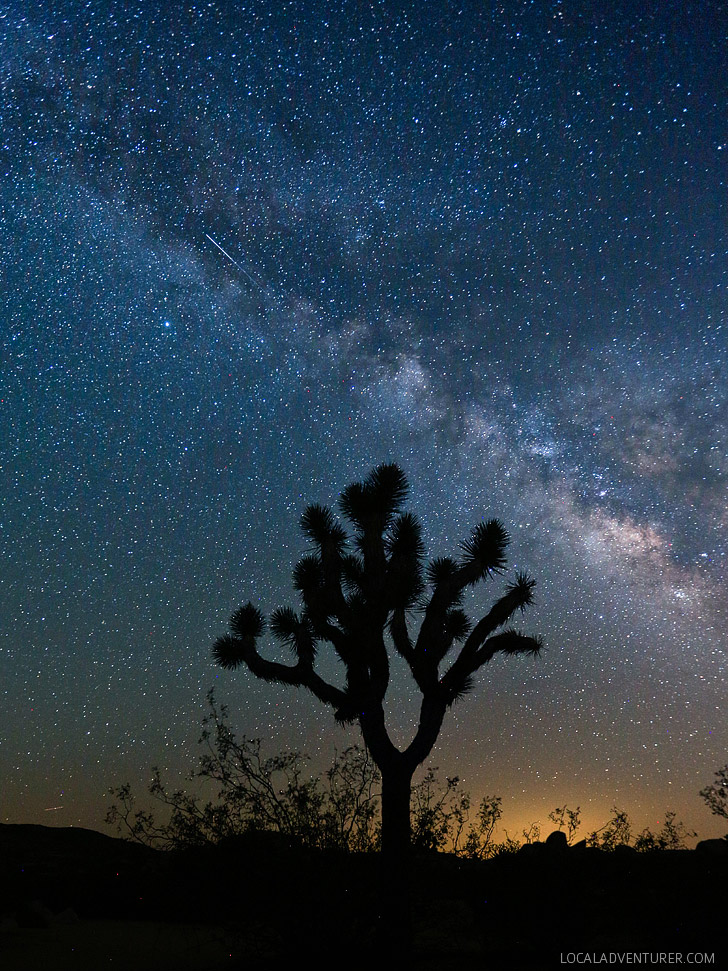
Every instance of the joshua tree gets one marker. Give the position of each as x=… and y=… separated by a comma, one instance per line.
x=361, y=596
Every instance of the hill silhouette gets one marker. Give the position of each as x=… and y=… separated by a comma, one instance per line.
x=269, y=900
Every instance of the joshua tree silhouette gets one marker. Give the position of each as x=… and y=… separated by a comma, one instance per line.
x=360, y=597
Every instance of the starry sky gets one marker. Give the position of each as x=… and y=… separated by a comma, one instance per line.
x=252, y=249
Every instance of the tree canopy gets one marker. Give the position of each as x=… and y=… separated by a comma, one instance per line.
x=362, y=593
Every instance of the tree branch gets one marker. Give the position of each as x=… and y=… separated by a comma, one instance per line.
x=230, y=651
x=471, y=657
x=432, y=712
x=400, y=635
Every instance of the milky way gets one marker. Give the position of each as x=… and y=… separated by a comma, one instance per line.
x=251, y=250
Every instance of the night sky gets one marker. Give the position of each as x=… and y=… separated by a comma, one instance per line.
x=487, y=241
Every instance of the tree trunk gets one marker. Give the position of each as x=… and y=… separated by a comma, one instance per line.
x=397, y=769
x=395, y=917
x=396, y=826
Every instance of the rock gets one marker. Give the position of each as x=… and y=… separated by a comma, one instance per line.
x=556, y=842
x=67, y=916
x=717, y=847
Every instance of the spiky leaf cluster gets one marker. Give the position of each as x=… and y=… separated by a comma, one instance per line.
x=372, y=504
x=319, y=524
x=295, y=632
x=485, y=550
x=232, y=649
x=228, y=651
x=247, y=622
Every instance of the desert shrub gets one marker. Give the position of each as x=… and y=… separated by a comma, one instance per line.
x=441, y=818
x=568, y=819
x=672, y=836
x=715, y=796
x=617, y=831
x=479, y=843
x=438, y=813
x=252, y=793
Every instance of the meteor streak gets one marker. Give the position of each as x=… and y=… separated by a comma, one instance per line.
x=241, y=268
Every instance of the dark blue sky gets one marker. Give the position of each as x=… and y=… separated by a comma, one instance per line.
x=486, y=241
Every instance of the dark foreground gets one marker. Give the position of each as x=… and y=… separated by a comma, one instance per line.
x=76, y=899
